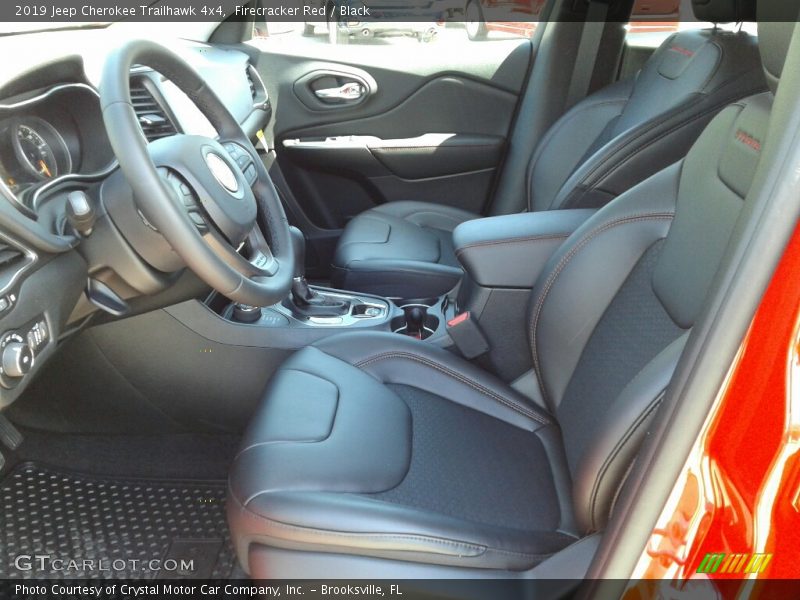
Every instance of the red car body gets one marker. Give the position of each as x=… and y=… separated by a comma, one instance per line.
x=739, y=492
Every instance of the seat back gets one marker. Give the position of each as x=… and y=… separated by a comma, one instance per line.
x=617, y=301
x=619, y=136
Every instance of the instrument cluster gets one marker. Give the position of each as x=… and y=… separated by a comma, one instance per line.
x=32, y=151
x=50, y=139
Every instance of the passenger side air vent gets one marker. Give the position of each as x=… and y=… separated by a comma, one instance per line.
x=153, y=120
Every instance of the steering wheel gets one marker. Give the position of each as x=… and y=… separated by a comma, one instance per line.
x=201, y=194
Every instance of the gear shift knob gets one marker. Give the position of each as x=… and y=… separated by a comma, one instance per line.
x=304, y=299
x=299, y=245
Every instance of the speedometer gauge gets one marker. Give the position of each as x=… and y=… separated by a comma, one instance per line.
x=40, y=149
x=37, y=155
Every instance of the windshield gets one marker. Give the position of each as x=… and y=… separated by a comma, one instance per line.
x=198, y=31
x=9, y=28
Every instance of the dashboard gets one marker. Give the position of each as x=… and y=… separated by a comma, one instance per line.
x=53, y=143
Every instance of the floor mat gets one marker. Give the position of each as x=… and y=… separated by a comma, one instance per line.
x=93, y=527
x=193, y=456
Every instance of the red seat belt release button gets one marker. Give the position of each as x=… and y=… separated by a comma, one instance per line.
x=460, y=318
x=467, y=335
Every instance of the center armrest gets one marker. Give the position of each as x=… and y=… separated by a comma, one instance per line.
x=510, y=251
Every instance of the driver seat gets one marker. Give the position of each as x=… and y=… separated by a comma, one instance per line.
x=373, y=454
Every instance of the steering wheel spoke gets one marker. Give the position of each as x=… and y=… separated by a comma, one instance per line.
x=260, y=262
x=261, y=258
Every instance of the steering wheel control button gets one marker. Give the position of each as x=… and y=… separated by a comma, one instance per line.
x=222, y=172
x=250, y=174
x=198, y=220
x=235, y=150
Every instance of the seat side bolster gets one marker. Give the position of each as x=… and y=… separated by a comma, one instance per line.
x=617, y=438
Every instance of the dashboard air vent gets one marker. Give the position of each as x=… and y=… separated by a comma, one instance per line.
x=9, y=255
x=153, y=119
x=251, y=81
x=257, y=90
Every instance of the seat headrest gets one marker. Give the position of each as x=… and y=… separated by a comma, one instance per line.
x=724, y=11
x=776, y=24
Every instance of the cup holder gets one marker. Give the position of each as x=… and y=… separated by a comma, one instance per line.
x=415, y=321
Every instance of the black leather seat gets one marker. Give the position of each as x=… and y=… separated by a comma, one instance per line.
x=603, y=146
x=374, y=454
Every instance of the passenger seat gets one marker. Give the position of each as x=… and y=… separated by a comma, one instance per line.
x=603, y=146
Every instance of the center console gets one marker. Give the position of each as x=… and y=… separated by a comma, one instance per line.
x=312, y=312
x=423, y=319
x=352, y=310
x=503, y=258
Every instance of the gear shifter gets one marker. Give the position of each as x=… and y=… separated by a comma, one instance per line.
x=305, y=300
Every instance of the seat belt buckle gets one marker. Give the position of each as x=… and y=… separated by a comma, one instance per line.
x=467, y=335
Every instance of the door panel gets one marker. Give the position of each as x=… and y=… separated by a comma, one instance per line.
x=426, y=126
x=443, y=104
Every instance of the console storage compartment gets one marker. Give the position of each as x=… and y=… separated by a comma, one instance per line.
x=510, y=251
x=503, y=257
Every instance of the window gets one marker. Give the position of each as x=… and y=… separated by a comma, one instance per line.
x=425, y=24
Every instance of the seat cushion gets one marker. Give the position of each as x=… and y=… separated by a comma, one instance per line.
x=401, y=250
x=396, y=449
